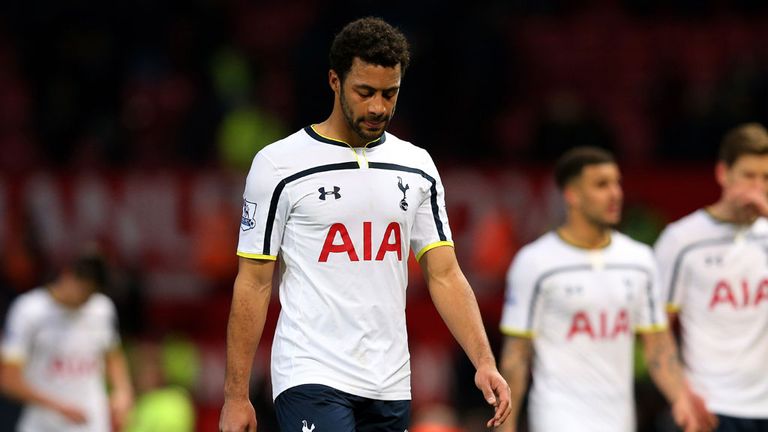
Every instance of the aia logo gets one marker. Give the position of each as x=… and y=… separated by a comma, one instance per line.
x=740, y=296
x=73, y=366
x=338, y=241
x=334, y=193
x=603, y=326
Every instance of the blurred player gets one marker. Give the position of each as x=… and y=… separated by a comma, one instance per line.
x=341, y=203
x=60, y=343
x=575, y=299
x=714, y=270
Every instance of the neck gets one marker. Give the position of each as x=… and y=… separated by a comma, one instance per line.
x=585, y=235
x=336, y=127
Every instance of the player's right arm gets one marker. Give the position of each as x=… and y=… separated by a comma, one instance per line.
x=17, y=340
x=517, y=324
x=250, y=300
x=16, y=387
x=516, y=357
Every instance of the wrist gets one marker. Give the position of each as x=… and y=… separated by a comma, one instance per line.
x=485, y=362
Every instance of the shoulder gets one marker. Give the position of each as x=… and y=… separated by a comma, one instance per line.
x=31, y=306
x=409, y=153
x=538, y=253
x=100, y=303
x=693, y=222
x=33, y=301
x=633, y=248
x=286, y=147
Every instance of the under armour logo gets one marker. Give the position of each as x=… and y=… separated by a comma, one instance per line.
x=403, y=202
x=573, y=289
x=713, y=260
x=335, y=193
x=304, y=427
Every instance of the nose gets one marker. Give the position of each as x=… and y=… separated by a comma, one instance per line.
x=376, y=106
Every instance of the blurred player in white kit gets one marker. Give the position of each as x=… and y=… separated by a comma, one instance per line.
x=575, y=299
x=714, y=270
x=60, y=342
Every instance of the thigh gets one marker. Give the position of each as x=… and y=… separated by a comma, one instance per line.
x=314, y=408
x=383, y=416
x=736, y=424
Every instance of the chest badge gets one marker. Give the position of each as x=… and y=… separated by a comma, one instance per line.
x=334, y=193
x=403, y=189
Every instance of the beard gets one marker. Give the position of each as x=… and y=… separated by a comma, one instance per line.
x=356, y=124
x=601, y=222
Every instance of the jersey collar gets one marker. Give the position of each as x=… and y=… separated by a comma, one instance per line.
x=313, y=133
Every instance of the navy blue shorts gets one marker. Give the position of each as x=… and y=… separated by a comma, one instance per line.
x=737, y=424
x=319, y=408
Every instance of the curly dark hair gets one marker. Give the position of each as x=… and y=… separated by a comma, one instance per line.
x=373, y=41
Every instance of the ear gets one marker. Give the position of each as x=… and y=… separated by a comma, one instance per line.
x=721, y=173
x=334, y=81
x=570, y=196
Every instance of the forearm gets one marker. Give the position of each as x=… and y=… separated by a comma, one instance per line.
x=664, y=364
x=250, y=301
x=117, y=374
x=515, y=366
x=15, y=386
x=457, y=305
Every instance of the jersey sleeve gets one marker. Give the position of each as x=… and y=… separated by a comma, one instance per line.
x=264, y=211
x=668, y=258
x=17, y=334
x=431, y=229
x=113, y=331
x=519, y=310
x=648, y=310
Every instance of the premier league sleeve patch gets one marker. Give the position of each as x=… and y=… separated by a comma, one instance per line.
x=247, y=222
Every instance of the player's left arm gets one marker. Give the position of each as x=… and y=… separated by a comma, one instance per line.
x=121, y=395
x=665, y=368
x=455, y=301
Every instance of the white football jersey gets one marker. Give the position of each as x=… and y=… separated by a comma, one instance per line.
x=582, y=309
x=342, y=222
x=715, y=275
x=63, y=353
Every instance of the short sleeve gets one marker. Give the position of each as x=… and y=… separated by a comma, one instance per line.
x=431, y=229
x=667, y=251
x=264, y=211
x=113, y=336
x=518, y=312
x=17, y=334
x=648, y=307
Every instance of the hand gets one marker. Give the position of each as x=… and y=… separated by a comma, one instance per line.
x=120, y=405
x=691, y=414
x=496, y=393
x=748, y=201
x=71, y=413
x=237, y=416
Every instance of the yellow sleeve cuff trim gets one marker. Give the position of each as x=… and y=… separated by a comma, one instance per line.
x=673, y=308
x=511, y=331
x=651, y=329
x=257, y=256
x=14, y=359
x=429, y=247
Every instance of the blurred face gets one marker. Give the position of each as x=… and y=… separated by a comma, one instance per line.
x=748, y=172
x=73, y=291
x=368, y=97
x=745, y=186
x=596, y=195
